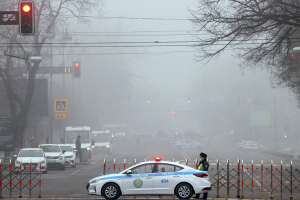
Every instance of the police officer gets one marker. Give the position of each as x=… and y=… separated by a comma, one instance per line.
x=203, y=165
x=78, y=147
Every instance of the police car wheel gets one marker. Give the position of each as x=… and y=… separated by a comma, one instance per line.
x=184, y=191
x=111, y=191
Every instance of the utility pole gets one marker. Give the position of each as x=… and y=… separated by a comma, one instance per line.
x=50, y=36
x=51, y=96
x=275, y=123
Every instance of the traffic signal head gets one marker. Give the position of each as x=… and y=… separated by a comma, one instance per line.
x=148, y=99
x=294, y=61
x=188, y=99
x=76, y=69
x=26, y=17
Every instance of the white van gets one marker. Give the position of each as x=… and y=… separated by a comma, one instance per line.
x=102, y=142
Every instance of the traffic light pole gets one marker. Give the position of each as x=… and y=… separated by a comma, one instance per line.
x=51, y=96
x=63, y=74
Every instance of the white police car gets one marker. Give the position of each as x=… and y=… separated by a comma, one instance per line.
x=152, y=178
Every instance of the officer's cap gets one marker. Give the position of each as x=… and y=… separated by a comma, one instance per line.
x=203, y=155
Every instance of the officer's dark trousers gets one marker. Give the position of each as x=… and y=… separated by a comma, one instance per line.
x=79, y=153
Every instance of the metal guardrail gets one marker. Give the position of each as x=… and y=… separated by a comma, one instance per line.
x=16, y=180
x=240, y=178
x=256, y=179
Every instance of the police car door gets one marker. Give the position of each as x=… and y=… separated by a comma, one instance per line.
x=166, y=178
x=140, y=181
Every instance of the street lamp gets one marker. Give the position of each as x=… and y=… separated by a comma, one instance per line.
x=284, y=143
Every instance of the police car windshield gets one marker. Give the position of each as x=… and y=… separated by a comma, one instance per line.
x=66, y=148
x=31, y=153
x=50, y=148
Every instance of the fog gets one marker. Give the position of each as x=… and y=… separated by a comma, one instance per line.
x=117, y=82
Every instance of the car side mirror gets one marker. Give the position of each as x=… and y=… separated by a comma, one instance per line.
x=15, y=156
x=63, y=151
x=128, y=172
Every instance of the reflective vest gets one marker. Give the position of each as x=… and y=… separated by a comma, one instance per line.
x=200, y=167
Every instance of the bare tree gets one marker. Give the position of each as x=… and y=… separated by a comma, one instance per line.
x=262, y=33
x=49, y=13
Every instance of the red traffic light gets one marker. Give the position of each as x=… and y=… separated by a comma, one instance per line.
x=77, y=64
x=76, y=69
x=293, y=56
x=26, y=18
x=26, y=8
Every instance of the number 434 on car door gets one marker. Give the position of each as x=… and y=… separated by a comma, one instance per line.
x=164, y=181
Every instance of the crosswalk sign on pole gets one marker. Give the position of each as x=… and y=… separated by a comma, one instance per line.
x=61, y=105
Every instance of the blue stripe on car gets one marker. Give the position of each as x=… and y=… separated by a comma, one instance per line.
x=148, y=174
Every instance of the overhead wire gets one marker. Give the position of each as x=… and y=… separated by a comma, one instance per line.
x=128, y=18
x=157, y=43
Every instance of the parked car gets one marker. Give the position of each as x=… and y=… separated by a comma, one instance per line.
x=151, y=178
x=33, y=157
x=188, y=144
x=55, y=156
x=70, y=155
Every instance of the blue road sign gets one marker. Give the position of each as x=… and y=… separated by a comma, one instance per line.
x=61, y=105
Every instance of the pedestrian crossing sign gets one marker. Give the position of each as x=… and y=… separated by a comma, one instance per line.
x=61, y=105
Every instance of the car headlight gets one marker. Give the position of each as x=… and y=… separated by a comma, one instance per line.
x=61, y=157
x=95, y=180
x=18, y=162
x=88, y=148
x=93, y=146
x=43, y=161
x=107, y=146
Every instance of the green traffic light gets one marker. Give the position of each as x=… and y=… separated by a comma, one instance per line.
x=189, y=101
x=148, y=101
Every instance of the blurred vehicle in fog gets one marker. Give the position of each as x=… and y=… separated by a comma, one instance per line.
x=262, y=147
x=188, y=144
x=118, y=131
x=250, y=146
x=102, y=142
x=160, y=134
x=138, y=133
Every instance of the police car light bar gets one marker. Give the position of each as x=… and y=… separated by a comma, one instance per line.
x=157, y=159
